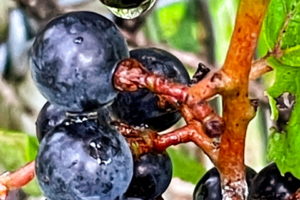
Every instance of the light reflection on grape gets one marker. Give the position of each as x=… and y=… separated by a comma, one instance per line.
x=130, y=13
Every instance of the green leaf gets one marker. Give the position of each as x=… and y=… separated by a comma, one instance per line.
x=281, y=28
x=185, y=166
x=283, y=147
x=17, y=149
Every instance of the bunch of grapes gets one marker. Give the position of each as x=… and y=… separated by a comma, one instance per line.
x=82, y=153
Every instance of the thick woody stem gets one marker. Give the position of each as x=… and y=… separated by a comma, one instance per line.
x=237, y=108
x=17, y=179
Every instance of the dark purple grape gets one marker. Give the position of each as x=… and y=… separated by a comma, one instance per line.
x=269, y=184
x=49, y=117
x=141, y=107
x=73, y=59
x=123, y=3
x=84, y=161
x=209, y=187
x=151, y=177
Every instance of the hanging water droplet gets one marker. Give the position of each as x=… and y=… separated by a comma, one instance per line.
x=78, y=40
x=130, y=13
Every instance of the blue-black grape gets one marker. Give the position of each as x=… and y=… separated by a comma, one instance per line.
x=151, y=177
x=84, y=161
x=52, y=115
x=209, y=186
x=141, y=107
x=73, y=59
x=49, y=117
x=269, y=184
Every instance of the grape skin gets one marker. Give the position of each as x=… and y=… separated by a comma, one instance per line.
x=152, y=175
x=49, y=117
x=84, y=161
x=140, y=107
x=269, y=184
x=73, y=59
x=209, y=186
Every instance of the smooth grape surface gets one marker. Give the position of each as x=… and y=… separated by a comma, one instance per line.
x=141, y=107
x=84, y=161
x=269, y=184
x=73, y=59
x=152, y=175
x=209, y=187
x=49, y=117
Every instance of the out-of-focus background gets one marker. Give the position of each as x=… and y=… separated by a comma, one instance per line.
x=193, y=30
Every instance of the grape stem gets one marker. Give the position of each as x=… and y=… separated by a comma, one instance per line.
x=17, y=179
x=231, y=81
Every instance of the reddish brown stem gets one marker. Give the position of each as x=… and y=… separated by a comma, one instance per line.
x=190, y=133
x=131, y=75
x=144, y=140
x=17, y=179
x=236, y=105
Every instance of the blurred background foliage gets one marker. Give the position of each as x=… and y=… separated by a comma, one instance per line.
x=193, y=30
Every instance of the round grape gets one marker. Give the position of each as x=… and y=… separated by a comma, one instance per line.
x=152, y=175
x=269, y=184
x=49, y=117
x=209, y=187
x=141, y=107
x=84, y=161
x=73, y=59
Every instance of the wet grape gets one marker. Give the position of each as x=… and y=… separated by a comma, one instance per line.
x=84, y=161
x=73, y=59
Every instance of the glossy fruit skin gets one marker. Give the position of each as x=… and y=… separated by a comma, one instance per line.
x=269, y=184
x=73, y=59
x=152, y=175
x=84, y=161
x=141, y=107
x=49, y=117
x=209, y=188
x=123, y=3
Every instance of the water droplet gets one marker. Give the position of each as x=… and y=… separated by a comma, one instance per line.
x=130, y=13
x=78, y=40
x=95, y=153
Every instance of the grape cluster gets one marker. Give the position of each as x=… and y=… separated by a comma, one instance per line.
x=268, y=184
x=82, y=156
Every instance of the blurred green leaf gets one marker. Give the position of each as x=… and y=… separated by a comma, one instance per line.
x=176, y=25
x=223, y=18
x=16, y=150
x=185, y=167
